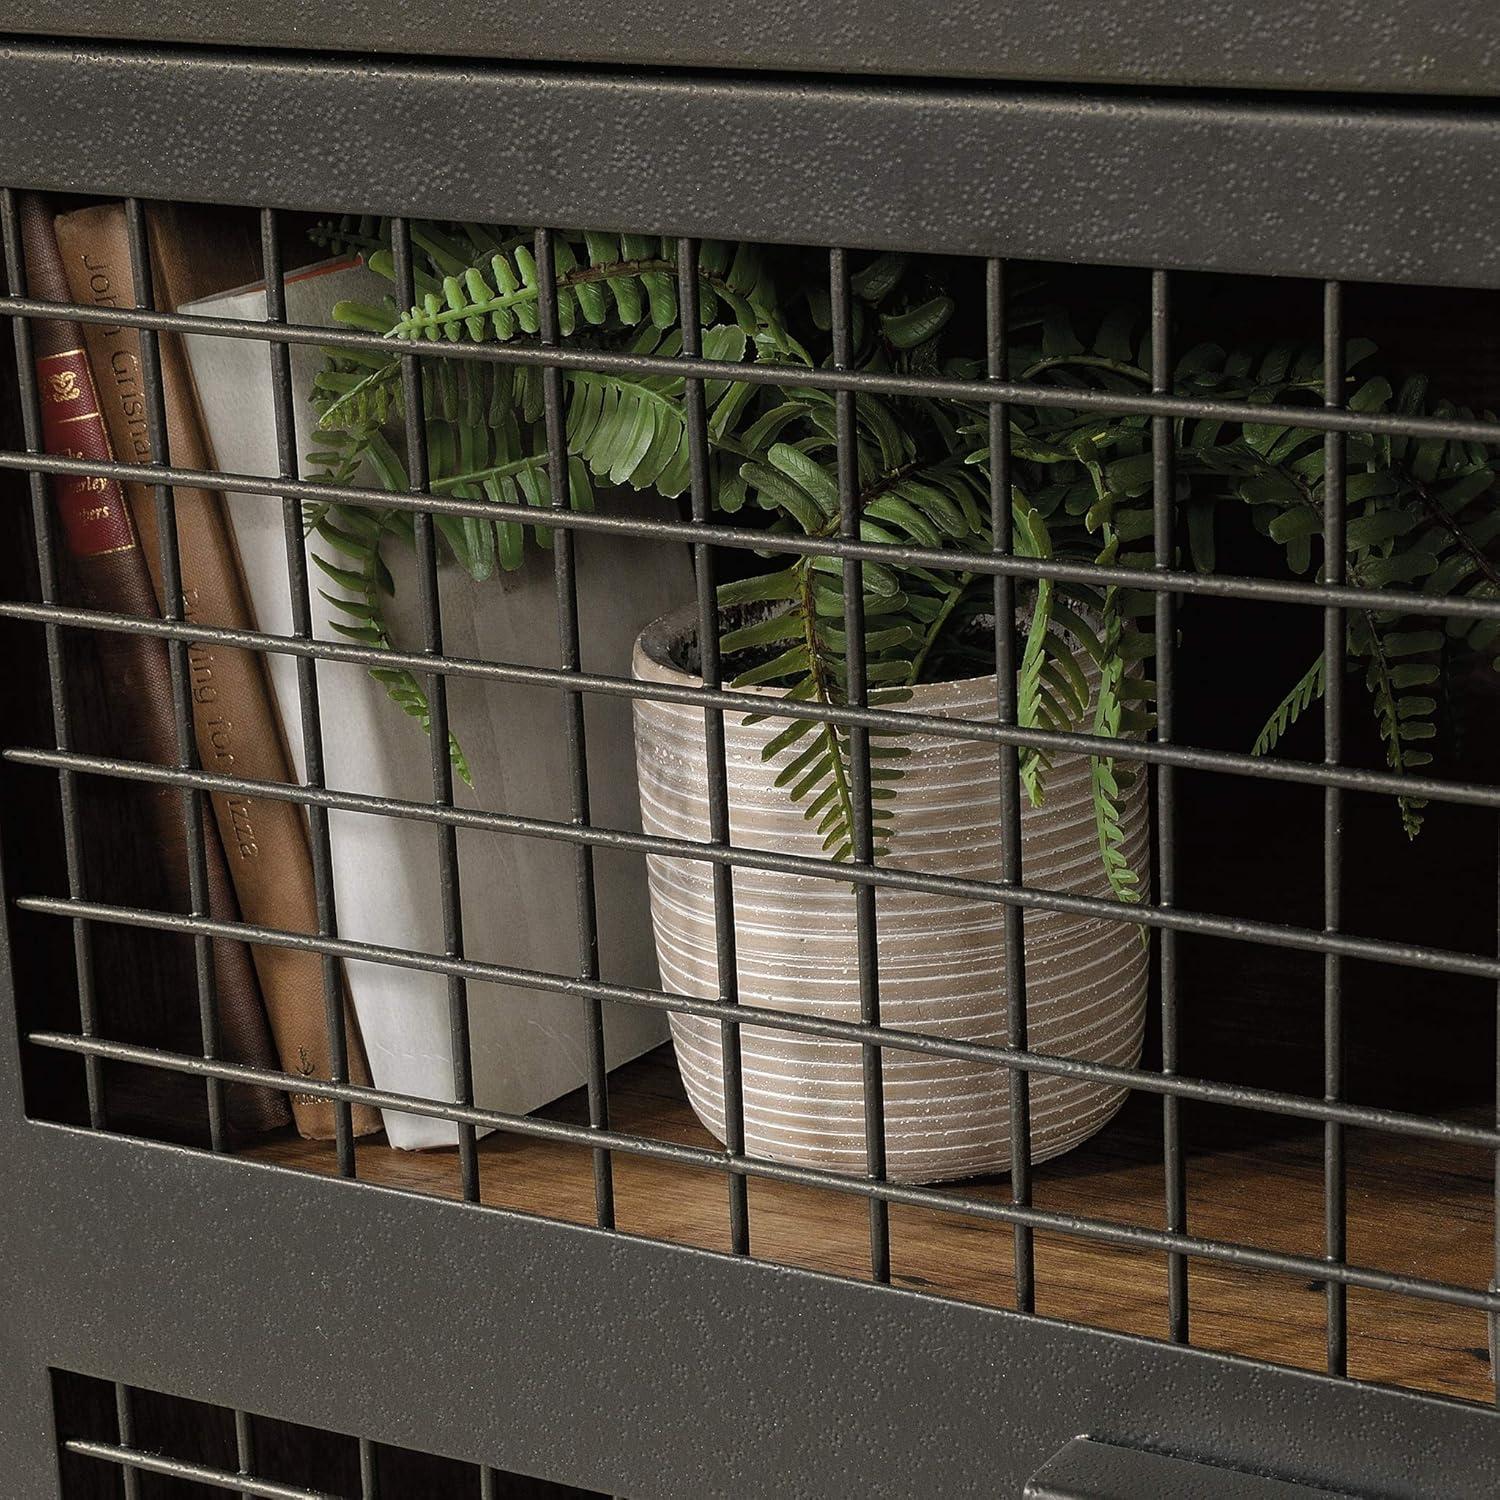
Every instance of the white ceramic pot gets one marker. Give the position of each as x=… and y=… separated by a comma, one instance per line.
x=941, y=959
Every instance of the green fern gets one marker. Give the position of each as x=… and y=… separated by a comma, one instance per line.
x=1110, y=779
x=1398, y=665
x=354, y=536
x=1309, y=687
x=350, y=234
x=1419, y=514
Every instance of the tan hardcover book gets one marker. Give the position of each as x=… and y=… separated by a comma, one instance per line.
x=238, y=729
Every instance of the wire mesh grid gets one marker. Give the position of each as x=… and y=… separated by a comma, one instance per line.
x=1162, y=1231
x=156, y=1443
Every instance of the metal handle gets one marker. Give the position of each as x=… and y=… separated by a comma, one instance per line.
x=1086, y=1469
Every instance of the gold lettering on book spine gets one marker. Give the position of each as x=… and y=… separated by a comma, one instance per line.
x=90, y=506
x=63, y=387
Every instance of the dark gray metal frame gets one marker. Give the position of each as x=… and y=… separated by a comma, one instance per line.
x=636, y=1367
x=1364, y=189
x=1367, y=46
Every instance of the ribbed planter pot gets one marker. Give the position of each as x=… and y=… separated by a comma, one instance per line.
x=941, y=962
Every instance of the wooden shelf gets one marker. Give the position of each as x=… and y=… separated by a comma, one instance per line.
x=1416, y=1041
x=1416, y=1207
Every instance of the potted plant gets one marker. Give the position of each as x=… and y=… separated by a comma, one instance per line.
x=1419, y=514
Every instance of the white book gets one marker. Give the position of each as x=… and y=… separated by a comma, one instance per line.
x=529, y=1046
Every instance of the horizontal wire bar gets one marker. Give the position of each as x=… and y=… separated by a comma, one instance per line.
x=1234, y=929
x=1208, y=585
x=981, y=392
x=1295, y=1106
x=177, y=1468
x=1106, y=1231
x=1224, y=762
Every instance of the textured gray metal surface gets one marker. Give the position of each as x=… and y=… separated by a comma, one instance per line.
x=622, y=1365
x=616, y=1364
x=1309, y=188
x=1090, y=1470
x=1437, y=47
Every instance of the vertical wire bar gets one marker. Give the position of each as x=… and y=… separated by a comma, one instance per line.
x=369, y=1475
x=1494, y=1318
x=437, y=703
x=570, y=660
x=862, y=835
x=193, y=802
x=57, y=664
x=244, y=1447
x=713, y=733
x=1335, y=1226
x=1012, y=917
x=1163, y=519
x=181, y=676
x=307, y=688
x=125, y=1426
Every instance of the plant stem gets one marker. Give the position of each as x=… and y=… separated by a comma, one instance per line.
x=579, y=276
x=829, y=732
x=1089, y=361
x=1435, y=512
x=935, y=629
x=495, y=471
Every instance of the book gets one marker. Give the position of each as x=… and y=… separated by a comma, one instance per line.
x=235, y=718
x=528, y=1045
x=137, y=686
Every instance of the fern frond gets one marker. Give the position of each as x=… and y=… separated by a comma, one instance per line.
x=363, y=582
x=1031, y=708
x=806, y=657
x=1309, y=687
x=361, y=234
x=502, y=298
x=1395, y=674
x=1107, y=777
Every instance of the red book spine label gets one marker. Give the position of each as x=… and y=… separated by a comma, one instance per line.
x=93, y=511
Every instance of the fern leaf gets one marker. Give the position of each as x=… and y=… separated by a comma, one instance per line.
x=1309, y=687
x=1105, y=780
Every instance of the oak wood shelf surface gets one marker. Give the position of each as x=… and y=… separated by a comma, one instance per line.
x=1417, y=1207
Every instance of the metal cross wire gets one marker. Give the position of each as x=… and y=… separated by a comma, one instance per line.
x=307, y=685
x=890, y=383
x=1006, y=712
x=570, y=662
x=244, y=1447
x=173, y=603
x=174, y=609
x=879, y=382
x=125, y=1427
x=1335, y=1227
x=1151, y=752
x=1271, y=934
x=862, y=835
x=1163, y=527
x=1221, y=586
x=1101, y=1231
x=133, y=1462
x=713, y=736
x=451, y=893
